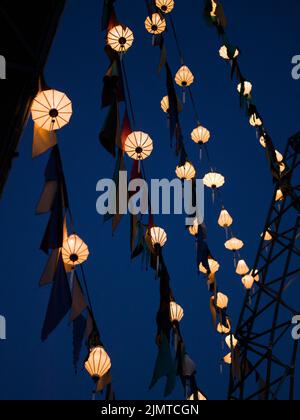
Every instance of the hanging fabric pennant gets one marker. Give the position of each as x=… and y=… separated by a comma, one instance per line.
x=104, y=382
x=79, y=328
x=163, y=55
x=173, y=104
x=108, y=14
x=47, y=198
x=50, y=269
x=126, y=130
x=60, y=301
x=119, y=205
x=112, y=85
x=203, y=252
x=164, y=367
x=53, y=237
x=43, y=140
x=213, y=311
x=78, y=301
x=111, y=130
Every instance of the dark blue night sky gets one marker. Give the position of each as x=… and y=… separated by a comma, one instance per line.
x=126, y=298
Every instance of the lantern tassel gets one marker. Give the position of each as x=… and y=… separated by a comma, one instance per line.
x=200, y=153
x=153, y=40
x=157, y=266
x=94, y=395
x=139, y=167
x=184, y=96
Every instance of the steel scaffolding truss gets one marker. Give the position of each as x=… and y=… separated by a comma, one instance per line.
x=264, y=363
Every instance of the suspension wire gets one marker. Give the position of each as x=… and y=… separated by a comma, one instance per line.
x=176, y=40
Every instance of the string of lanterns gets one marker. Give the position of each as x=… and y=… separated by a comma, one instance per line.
x=139, y=146
x=52, y=110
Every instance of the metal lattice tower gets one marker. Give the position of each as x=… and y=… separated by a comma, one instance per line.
x=264, y=363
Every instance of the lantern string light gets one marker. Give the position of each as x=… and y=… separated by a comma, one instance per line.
x=245, y=91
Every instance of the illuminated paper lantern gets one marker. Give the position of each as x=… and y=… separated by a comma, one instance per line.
x=226, y=54
x=186, y=172
x=247, y=88
x=214, y=266
x=176, y=312
x=267, y=236
x=138, y=145
x=74, y=251
x=155, y=24
x=279, y=195
x=120, y=38
x=221, y=329
x=98, y=363
x=165, y=6
x=194, y=228
x=222, y=301
x=231, y=341
x=184, y=77
x=228, y=359
x=262, y=141
x=234, y=244
x=225, y=220
x=213, y=180
x=158, y=236
x=255, y=275
x=248, y=282
x=51, y=110
x=165, y=105
x=255, y=120
x=200, y=135
x=242, y=268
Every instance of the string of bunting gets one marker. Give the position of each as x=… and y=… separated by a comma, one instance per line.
x=146, y=239
x=51, y=111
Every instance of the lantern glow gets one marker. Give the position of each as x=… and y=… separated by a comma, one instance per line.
x=176, y=312
x=242, y=268
x=155, y=25
x=74, y=251
x=200, y=397
x=186, y=172
x=120, y=38
x=248, y=281
x=165, y=105
x=226, y=54
x=231, y=341
x=225, y=220
x=213, y=180
x=214, y=266
x=200, y=135
x=158, y=236
x=165, y=6
x=98, y=363
x=51, y=110
x=255, y=120
x=138, y=145
x=184, y=77
x=222, y=301
x=234, y=244
x=247, y=88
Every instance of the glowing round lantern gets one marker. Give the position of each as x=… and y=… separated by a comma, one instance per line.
x=98, y=363
x=231, y=341
x=184, y=77
x=165, y=105
x=158, y=237
x=228, y=359
x=213, y=180
x=176, y=312
x=214, y=266
x=165, y=6
x=200, y=135
x=222, y=301
x=186, y=172
x=225, y=220
x=242, y=268
x=155, y=24
x=234, y=244
x=200, y=397
x=120, y=38
x=226, y=54
x=247, y=88
x=248, y=282
x=51, y=110
x=138, y=145
x=221, y=329
x=255, y=120
x=74, y=251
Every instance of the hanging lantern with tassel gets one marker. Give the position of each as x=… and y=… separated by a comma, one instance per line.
x=176, y=312
x=222, y=301
x=248, y=281
x=166, y=6
x=120, y=38
x=98, y=363
x=184, y=78
x=214, y=181
x=187, y=172
x=200, y=135
x=242, y=268
x=138, y=146
x=74, y=251
x=227, y=53
x=158, y=239
x=155, y=25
